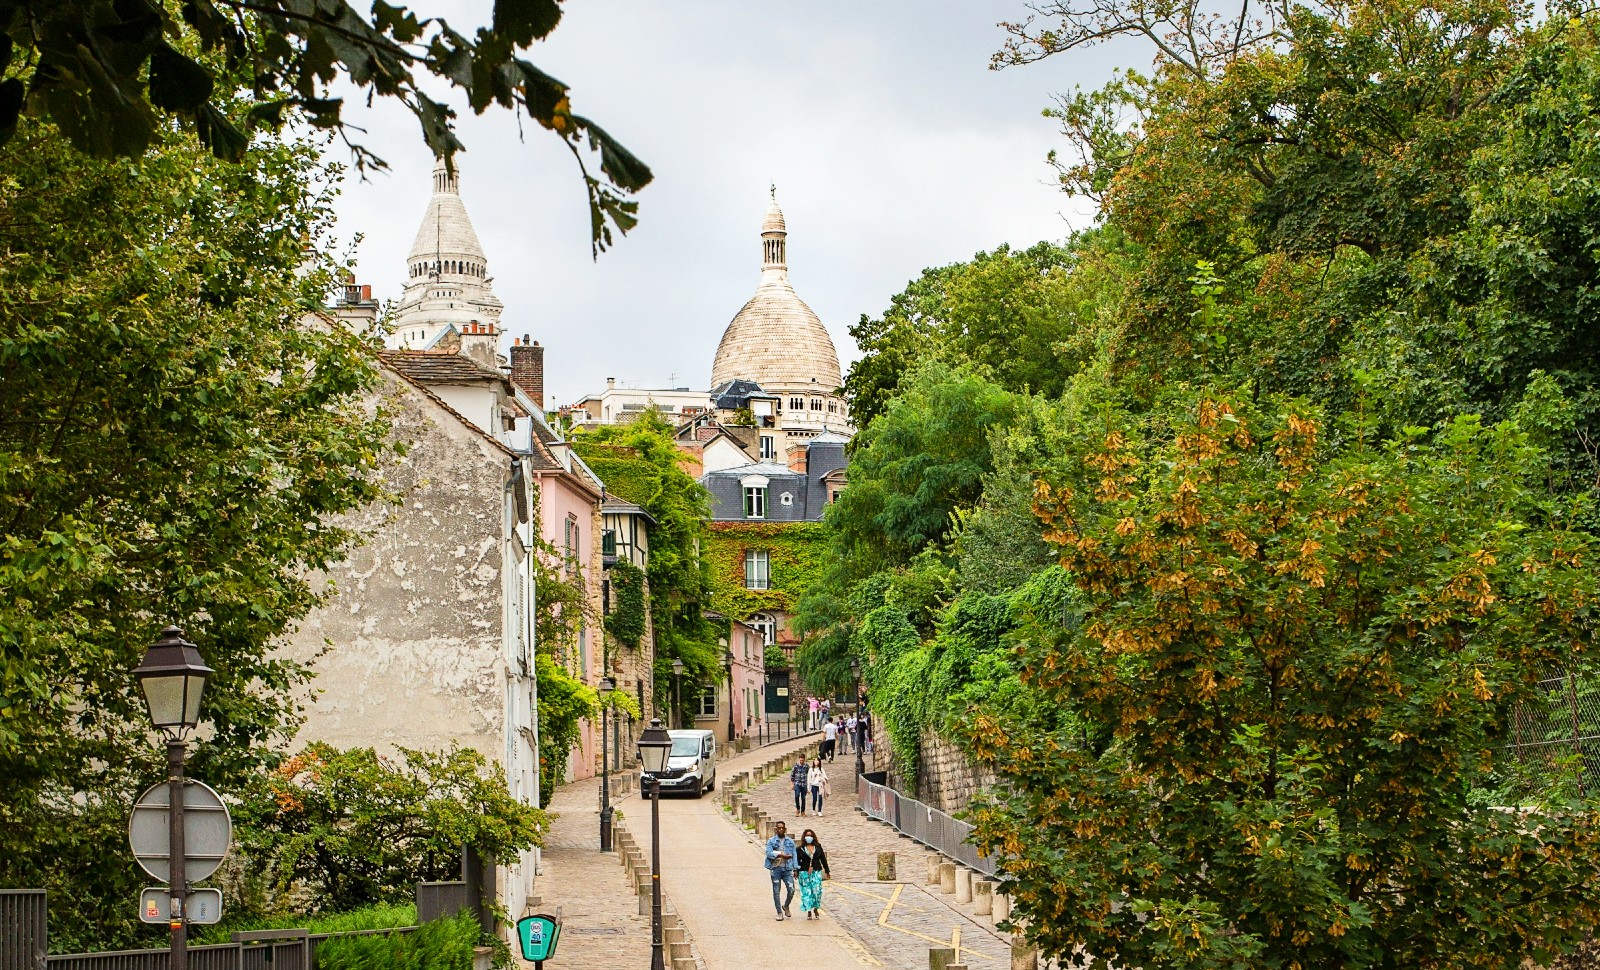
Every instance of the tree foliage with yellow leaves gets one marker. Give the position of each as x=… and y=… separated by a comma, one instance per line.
x=1287, y=680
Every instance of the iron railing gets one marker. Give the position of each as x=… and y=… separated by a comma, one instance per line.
x=924, y=823
x=771, y=732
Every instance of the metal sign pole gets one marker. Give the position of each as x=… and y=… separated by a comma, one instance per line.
x=177, y=876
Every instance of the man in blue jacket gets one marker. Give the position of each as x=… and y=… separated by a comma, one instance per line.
x=781, y=863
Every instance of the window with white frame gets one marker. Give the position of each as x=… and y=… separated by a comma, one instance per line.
x=769, y=448
x=755, y=569
x=706, y=704
x=767, y=624
x=755, y=502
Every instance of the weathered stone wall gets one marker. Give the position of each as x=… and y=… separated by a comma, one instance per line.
x=947, y=780
x=408, y=652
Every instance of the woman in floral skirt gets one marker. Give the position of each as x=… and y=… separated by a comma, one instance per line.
x=813, y=869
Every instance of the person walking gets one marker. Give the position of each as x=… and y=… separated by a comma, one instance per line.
x=830, y=739
x=781, y=864
x=812, y=864
x=817, y=778
x=797, y=778
x=863, y=733
x=850, y=732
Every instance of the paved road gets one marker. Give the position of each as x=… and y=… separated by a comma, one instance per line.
x=713, y=872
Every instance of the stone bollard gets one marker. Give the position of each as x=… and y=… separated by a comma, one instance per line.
x=676, y=934
x=687, y=963
x=886, y=867
x=963, y=885
x=933, y=869
x=940, y=957
x=956, y=966
x=644, y=901
x=1023, y=956
x=947, y=877
x=983, y=897
x=1002, y=908
x=679, y=951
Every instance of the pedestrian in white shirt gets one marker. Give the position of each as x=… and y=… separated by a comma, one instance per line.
x=830, y=738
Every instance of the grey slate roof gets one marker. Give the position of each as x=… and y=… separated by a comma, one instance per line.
x=807, y=493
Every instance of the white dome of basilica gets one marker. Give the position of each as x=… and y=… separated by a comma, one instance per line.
x=775, y=339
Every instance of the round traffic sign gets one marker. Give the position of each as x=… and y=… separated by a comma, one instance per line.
x=207, y=831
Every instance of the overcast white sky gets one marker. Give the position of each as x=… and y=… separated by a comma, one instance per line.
x=892, y=145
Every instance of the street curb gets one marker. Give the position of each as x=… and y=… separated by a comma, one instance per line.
x=681, y=952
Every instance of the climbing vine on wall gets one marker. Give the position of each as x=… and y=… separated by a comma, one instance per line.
x=626, y=621
x=796, y=555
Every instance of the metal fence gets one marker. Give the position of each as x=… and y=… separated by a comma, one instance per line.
x=771, y=732
x=24, y=941
x=23, y=937
x=1562, y=725
x=933, y=828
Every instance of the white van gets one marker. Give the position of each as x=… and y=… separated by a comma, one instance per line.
x=691, y=767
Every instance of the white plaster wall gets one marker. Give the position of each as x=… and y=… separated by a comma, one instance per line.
x=409, y=651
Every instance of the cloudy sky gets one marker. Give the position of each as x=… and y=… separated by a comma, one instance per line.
x=892, y=145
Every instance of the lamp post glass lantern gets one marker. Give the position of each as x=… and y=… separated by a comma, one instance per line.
x=607, y=685
x=172, y=677
x=655, y=746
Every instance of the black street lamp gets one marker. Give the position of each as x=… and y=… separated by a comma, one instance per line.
x=172, y=676
x=861, y=764
x=677, y=691
x=607, y=685
x=655, y=745
x=727, y=655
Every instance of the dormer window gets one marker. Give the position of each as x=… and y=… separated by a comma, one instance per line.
x=755, y=502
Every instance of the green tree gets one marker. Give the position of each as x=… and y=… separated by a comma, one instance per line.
x=111, y=74
x=1012, y=313
x=1289, y=672
x=639, y=463
x=175, y=446
x=918, y=463
x=349, y=828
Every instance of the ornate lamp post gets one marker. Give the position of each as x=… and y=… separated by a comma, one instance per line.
x=861, y=765
x=727, y=656
x=654, y=747
x=172, y=676
x=607, y=685
x=677, y=691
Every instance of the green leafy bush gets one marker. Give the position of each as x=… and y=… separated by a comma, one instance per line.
x=443, y=944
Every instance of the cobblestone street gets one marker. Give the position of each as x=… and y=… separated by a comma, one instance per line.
x=713, y=879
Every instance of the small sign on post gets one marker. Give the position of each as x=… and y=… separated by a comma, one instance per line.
x=538, y=936
x=202, y=906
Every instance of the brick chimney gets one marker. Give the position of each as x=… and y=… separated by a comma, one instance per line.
x=527, y=368
x=798, y=453
x=356, y=308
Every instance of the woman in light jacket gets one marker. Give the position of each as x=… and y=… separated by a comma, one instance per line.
x=813, y=865
x=818, y=779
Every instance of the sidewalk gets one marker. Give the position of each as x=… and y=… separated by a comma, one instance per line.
x=602, y=928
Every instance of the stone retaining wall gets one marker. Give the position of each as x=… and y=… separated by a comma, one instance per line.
x=947, y=780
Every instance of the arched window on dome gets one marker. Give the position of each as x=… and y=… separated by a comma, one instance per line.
x=816, y=404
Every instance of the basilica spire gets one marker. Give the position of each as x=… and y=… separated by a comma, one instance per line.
x=447, y=274
x=774, y=239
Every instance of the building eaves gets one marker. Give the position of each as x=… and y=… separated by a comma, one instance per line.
x=430, y=367
x=436, y=399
